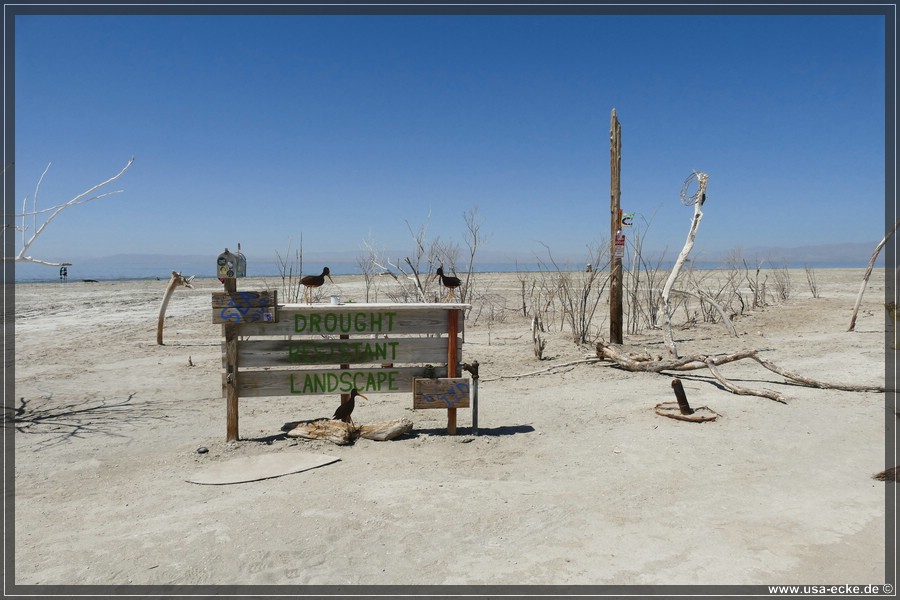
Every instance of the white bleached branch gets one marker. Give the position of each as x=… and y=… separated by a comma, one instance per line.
x=81, y=198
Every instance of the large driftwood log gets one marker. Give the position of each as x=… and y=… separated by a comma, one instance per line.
x=387, y=430
x=329, y=430
x=343, y=434
x=633, y=362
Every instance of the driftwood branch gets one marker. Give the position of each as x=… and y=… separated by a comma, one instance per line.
x=547, y=370
x=869, y=268
x=176, y=280
x=741, y=391
x=806, y=381
x=700, y=361
x=81, y=198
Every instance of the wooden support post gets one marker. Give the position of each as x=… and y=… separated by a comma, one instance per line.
x=682, y=398
x=452, y=360
x=231, y=372
x=615, y=287
x=345, y=397
x=473, y=370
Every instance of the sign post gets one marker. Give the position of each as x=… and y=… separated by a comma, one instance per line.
x=615, y=214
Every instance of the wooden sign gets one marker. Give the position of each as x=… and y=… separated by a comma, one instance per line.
x=254, y=353
x=441, y=393
x=361, y=319
x=306, y=382
x=245, y=307
x=323, y=349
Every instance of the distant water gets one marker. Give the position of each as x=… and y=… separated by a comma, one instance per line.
x=113, y=271
x=104, y=270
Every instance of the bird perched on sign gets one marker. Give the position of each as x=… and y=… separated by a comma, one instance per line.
x=314, y=281
x=448, y=281
x=343, y=411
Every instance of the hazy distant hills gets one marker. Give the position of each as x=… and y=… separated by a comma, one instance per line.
x=823, y=256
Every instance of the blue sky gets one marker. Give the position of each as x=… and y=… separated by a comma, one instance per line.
x=257, y=129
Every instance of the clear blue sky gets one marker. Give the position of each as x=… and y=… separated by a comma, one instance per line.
x=255, y=129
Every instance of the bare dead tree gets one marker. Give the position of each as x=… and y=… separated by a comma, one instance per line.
x=696, y=200
x=474, y=239
x=408, y=273
x=367, y=267
x=579, y=292
x=811, y=280
x=782, y=284
x=414, y=274
x=291, y=271
x=54, y=211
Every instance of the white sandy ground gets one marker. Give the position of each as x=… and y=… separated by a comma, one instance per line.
x=573, y=479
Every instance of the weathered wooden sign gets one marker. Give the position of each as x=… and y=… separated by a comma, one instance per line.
x=444, y=392
x=245, y=307
x=263, y=353
x=393, y=379
x=299, y=349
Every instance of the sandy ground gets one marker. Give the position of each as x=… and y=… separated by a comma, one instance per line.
x=573, y=478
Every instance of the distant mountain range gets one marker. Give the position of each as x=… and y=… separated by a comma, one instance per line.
x=828, y=255
x=823, y=255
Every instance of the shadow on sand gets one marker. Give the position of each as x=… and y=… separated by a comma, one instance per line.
x=482, y=431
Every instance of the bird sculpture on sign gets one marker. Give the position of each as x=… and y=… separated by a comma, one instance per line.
x=314, y=281
x=449, y=282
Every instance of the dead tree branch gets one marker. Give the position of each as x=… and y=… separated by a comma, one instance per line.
x=869, y=268
x=547, y=370
x=81, y=198
x=700, y=361
x=726, y=321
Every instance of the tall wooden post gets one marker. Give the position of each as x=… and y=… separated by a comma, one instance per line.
x=231, y=372
x=615, y=287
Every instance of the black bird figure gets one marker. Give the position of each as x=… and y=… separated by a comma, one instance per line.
x=314, y=281
x=343, y=411
x=449, y=282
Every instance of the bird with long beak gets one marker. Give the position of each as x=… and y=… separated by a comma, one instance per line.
x=346, y=408
x=448, y=281
x=314, y=281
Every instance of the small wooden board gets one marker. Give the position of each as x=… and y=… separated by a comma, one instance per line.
x=443, y=392
x=245, y=307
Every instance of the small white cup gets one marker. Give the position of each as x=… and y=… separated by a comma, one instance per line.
x=335, y=299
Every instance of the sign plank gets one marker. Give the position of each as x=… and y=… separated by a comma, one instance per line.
x=447, y=392
x=309, y=382
x=245, y=307
x=264, y=352
x=294, y=320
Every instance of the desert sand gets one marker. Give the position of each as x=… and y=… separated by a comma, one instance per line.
x=572, y=479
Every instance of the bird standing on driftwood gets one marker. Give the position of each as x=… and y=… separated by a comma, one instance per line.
x=343, y=411
x=448, y=281
x=314, y=281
